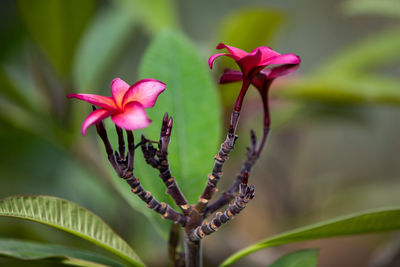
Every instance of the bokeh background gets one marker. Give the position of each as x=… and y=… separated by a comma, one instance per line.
x=334, y=147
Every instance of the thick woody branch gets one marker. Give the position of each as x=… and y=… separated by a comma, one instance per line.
x=220, y=158
x=165, y=210
x=123, y=165
x=253, y=154
x=245, y=194
x=158, y=158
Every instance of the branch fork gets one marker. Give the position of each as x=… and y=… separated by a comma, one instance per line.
x=191, y=217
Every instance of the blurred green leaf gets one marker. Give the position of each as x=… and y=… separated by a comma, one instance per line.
x=300, y=258
x=192, y=100
x=27, y=250
x=347, y=77
x=256, y=27
x=345, y=90
x=23, y=119
x=375, y=51
x=387, y=8
x=154, y=15
x=69, y=217
x=372, y=221
x=101, y=43
x=8, y=89
x=57, y=26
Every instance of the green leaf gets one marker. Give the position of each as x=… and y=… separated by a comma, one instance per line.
x=154, y=15
x=387, y=8
x=103, y=40
x=57, y=26
x=376, y=50
x=26, y=250
x=372, y=221
x=300, y=258
x=345, y=90
x=192, y=100
x=256, y=27
x=69, y=217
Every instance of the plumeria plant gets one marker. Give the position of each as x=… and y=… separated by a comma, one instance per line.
x=127, y=110
x=130, y=108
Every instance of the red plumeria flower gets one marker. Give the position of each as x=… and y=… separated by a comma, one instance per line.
x=262, y=81
x=252, y=63
x=126, y=106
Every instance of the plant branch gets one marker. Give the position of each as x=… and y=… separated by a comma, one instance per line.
x=123, y=165
x=245, y=194
x=220, y=158
x=158, y=158
x=253, y=154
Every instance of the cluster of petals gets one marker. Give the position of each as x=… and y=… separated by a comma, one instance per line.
x=253, y=62
x=253, y=70
x=126, y=106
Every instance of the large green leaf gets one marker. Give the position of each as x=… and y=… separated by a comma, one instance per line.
x=69, y=217
x=387, y=8
x=27, y=250
x=101, y=43
x=192, y=100
x=372, y=221
x=57, y=26
x=300, y=258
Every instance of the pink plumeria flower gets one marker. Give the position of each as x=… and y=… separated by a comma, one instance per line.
x=252, y=63
x=126, y=106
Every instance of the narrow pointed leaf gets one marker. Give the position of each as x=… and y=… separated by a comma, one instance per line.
x=386, y=8
x=373, y=221
x=69, y=217
x=106, y=35
x=374, y=51
x=357, y=89
x=34, y=251
x=300, y=258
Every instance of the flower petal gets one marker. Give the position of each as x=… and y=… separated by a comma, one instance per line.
x=282, y=59
x=266, y=52
x=260, y=79
x=281, y=70
x=236, y=52
x=145, y=92
x=230, y=76
x=97, y=100
x=94, y=117
x=213, y=57
x=250, y=62
x=132, y=118
x=118, y=90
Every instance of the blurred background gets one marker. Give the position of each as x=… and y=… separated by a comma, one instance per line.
x=334, y=147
